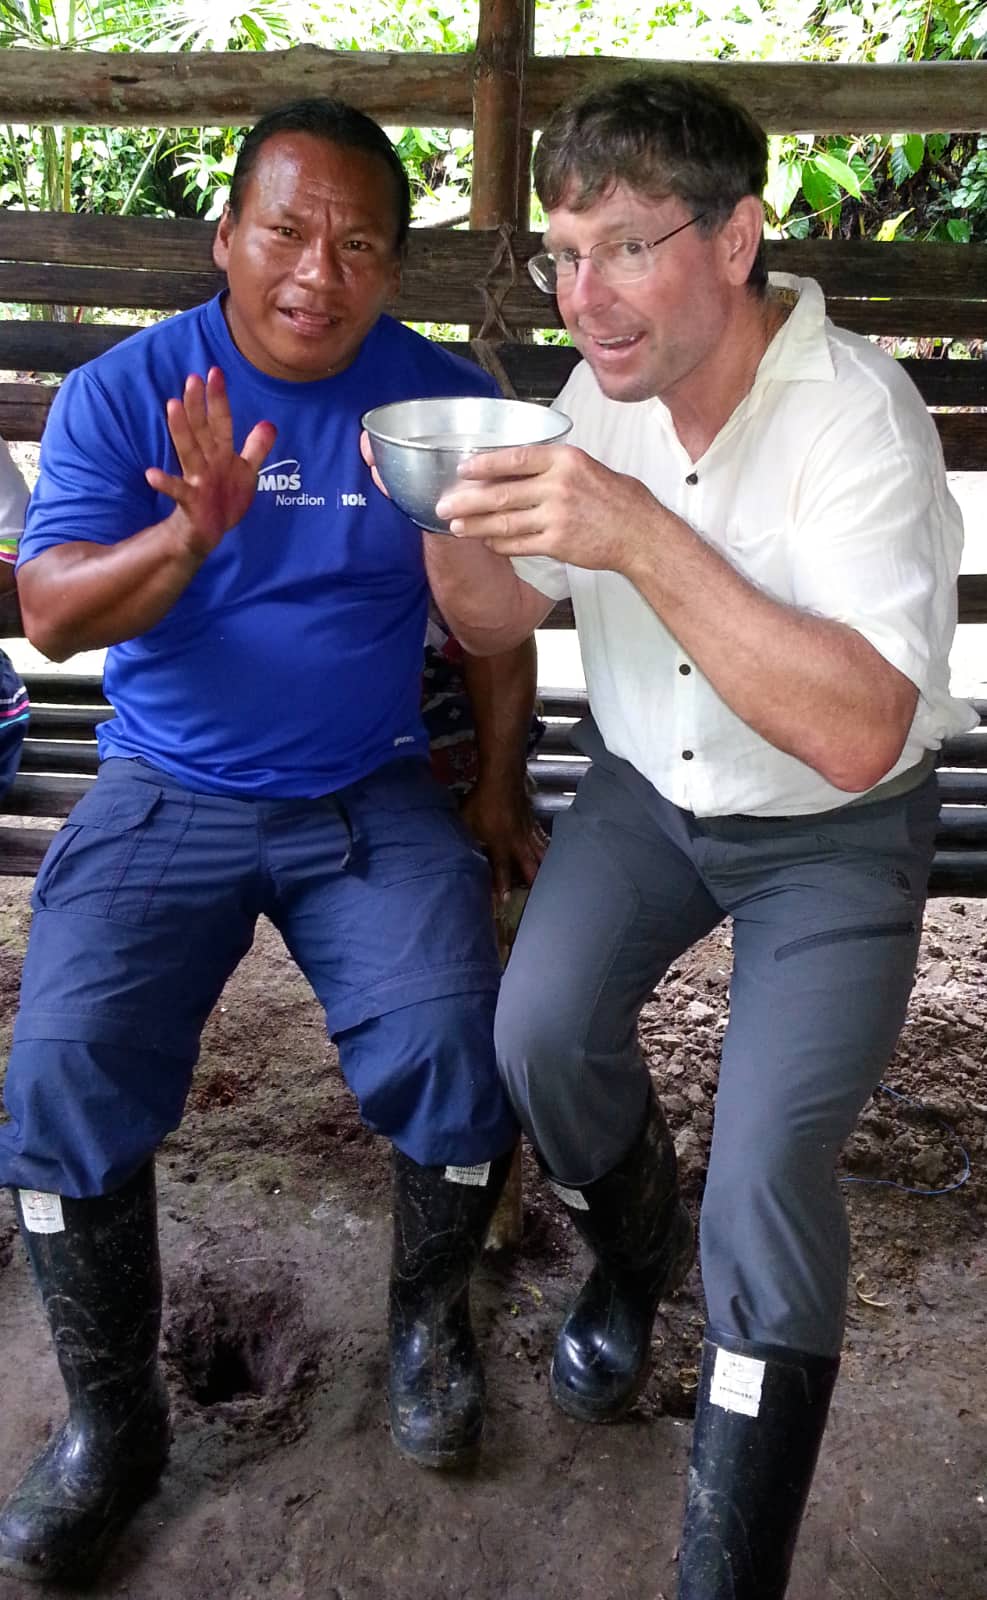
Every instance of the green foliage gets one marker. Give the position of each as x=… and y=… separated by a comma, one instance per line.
x=886, y=187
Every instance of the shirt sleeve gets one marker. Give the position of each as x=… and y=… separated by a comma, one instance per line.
x=91, y=484
x=13, y=505
x=550, y=577
x=877, y=539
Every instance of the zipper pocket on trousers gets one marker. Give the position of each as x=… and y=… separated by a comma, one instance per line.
x=875, y=930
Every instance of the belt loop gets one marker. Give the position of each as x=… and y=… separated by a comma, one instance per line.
x=344, y=817
x=334, y=802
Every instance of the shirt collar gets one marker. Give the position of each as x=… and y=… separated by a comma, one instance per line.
x=800, y=348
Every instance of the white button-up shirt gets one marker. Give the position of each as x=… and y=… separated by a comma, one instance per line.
x=826, y=489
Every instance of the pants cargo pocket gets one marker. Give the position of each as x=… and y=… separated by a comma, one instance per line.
x=110, y=856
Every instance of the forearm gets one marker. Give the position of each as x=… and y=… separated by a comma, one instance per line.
x=498, y=809
x=84, y=596
x=502, y=692
x=488, y=607
x=811, y=687
x=10, y=616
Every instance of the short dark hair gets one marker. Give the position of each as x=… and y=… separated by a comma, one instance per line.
x=661, y=133
x=337, y=123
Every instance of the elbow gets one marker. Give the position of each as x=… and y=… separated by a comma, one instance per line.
x=43, y=617
x=45, y=636
x=52, y=648
x=854, y=771
x=491, y=641
x=881, y=727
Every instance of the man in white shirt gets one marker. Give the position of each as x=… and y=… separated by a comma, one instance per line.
x=752, y=520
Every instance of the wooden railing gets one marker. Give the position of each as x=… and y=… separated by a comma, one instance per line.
x=475, y=278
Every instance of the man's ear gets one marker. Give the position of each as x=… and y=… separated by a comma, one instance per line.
x=221, y=242
x=741, y=237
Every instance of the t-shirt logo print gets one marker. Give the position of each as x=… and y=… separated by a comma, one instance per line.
x=283, y=479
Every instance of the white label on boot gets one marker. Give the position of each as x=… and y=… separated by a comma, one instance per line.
x=569, y=1197
x=736, y=1384
x=42, y=1213
x=476, y=1177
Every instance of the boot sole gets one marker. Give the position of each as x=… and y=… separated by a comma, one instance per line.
x=579, y=1410
x=82, y=1568
x=438, y=1460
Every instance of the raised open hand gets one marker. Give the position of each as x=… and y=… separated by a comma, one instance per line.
x=217, y=482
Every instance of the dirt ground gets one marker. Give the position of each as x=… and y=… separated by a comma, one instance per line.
x=283, y=1484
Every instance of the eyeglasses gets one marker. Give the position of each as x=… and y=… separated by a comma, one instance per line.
x=616, y=260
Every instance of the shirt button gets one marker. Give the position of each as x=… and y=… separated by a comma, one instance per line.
x=687, y=755
x=693, y=478
x=685, y=669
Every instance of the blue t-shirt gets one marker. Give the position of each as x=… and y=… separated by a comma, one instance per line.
x=291, y=665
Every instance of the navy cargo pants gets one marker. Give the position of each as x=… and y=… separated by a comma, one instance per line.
x=146, y=902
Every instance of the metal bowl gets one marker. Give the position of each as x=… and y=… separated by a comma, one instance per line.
x=418, y=444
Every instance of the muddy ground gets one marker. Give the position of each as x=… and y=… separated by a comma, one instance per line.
x=274, y=1208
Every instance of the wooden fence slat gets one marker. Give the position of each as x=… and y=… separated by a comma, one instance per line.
x=34, y=283
x=59, y=755
x=22, y=850
x=846, y=267
x=963, y=436
x=24, y=408
x=191, y=88
x=31, y=795
x=68, y=689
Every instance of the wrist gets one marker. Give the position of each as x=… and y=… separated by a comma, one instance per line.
x=186, y=544
x=654, y=554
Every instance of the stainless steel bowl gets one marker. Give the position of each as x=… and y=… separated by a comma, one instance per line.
x=418, y=444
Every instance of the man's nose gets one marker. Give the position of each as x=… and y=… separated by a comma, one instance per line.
x=319, y=264
x=587, y=289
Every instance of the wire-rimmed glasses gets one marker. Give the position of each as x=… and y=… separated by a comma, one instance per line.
x=616, y=260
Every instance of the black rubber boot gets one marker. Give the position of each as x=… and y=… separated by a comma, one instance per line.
x=749, y=1476
x=644, y=1244
x=437, y=1392
x=100, y=1281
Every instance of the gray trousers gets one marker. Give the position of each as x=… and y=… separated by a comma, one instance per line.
x=826, y=916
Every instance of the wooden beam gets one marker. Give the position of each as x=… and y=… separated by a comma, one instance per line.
x=800, y=97
x=168, y=89
x=179, y=88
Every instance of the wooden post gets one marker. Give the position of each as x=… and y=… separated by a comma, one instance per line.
x=525, y=140
x=503, y=42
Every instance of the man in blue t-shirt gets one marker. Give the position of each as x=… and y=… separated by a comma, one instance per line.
x=203, y=511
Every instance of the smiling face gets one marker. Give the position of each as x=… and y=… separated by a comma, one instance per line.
x=660, y=334
x=311, y=259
